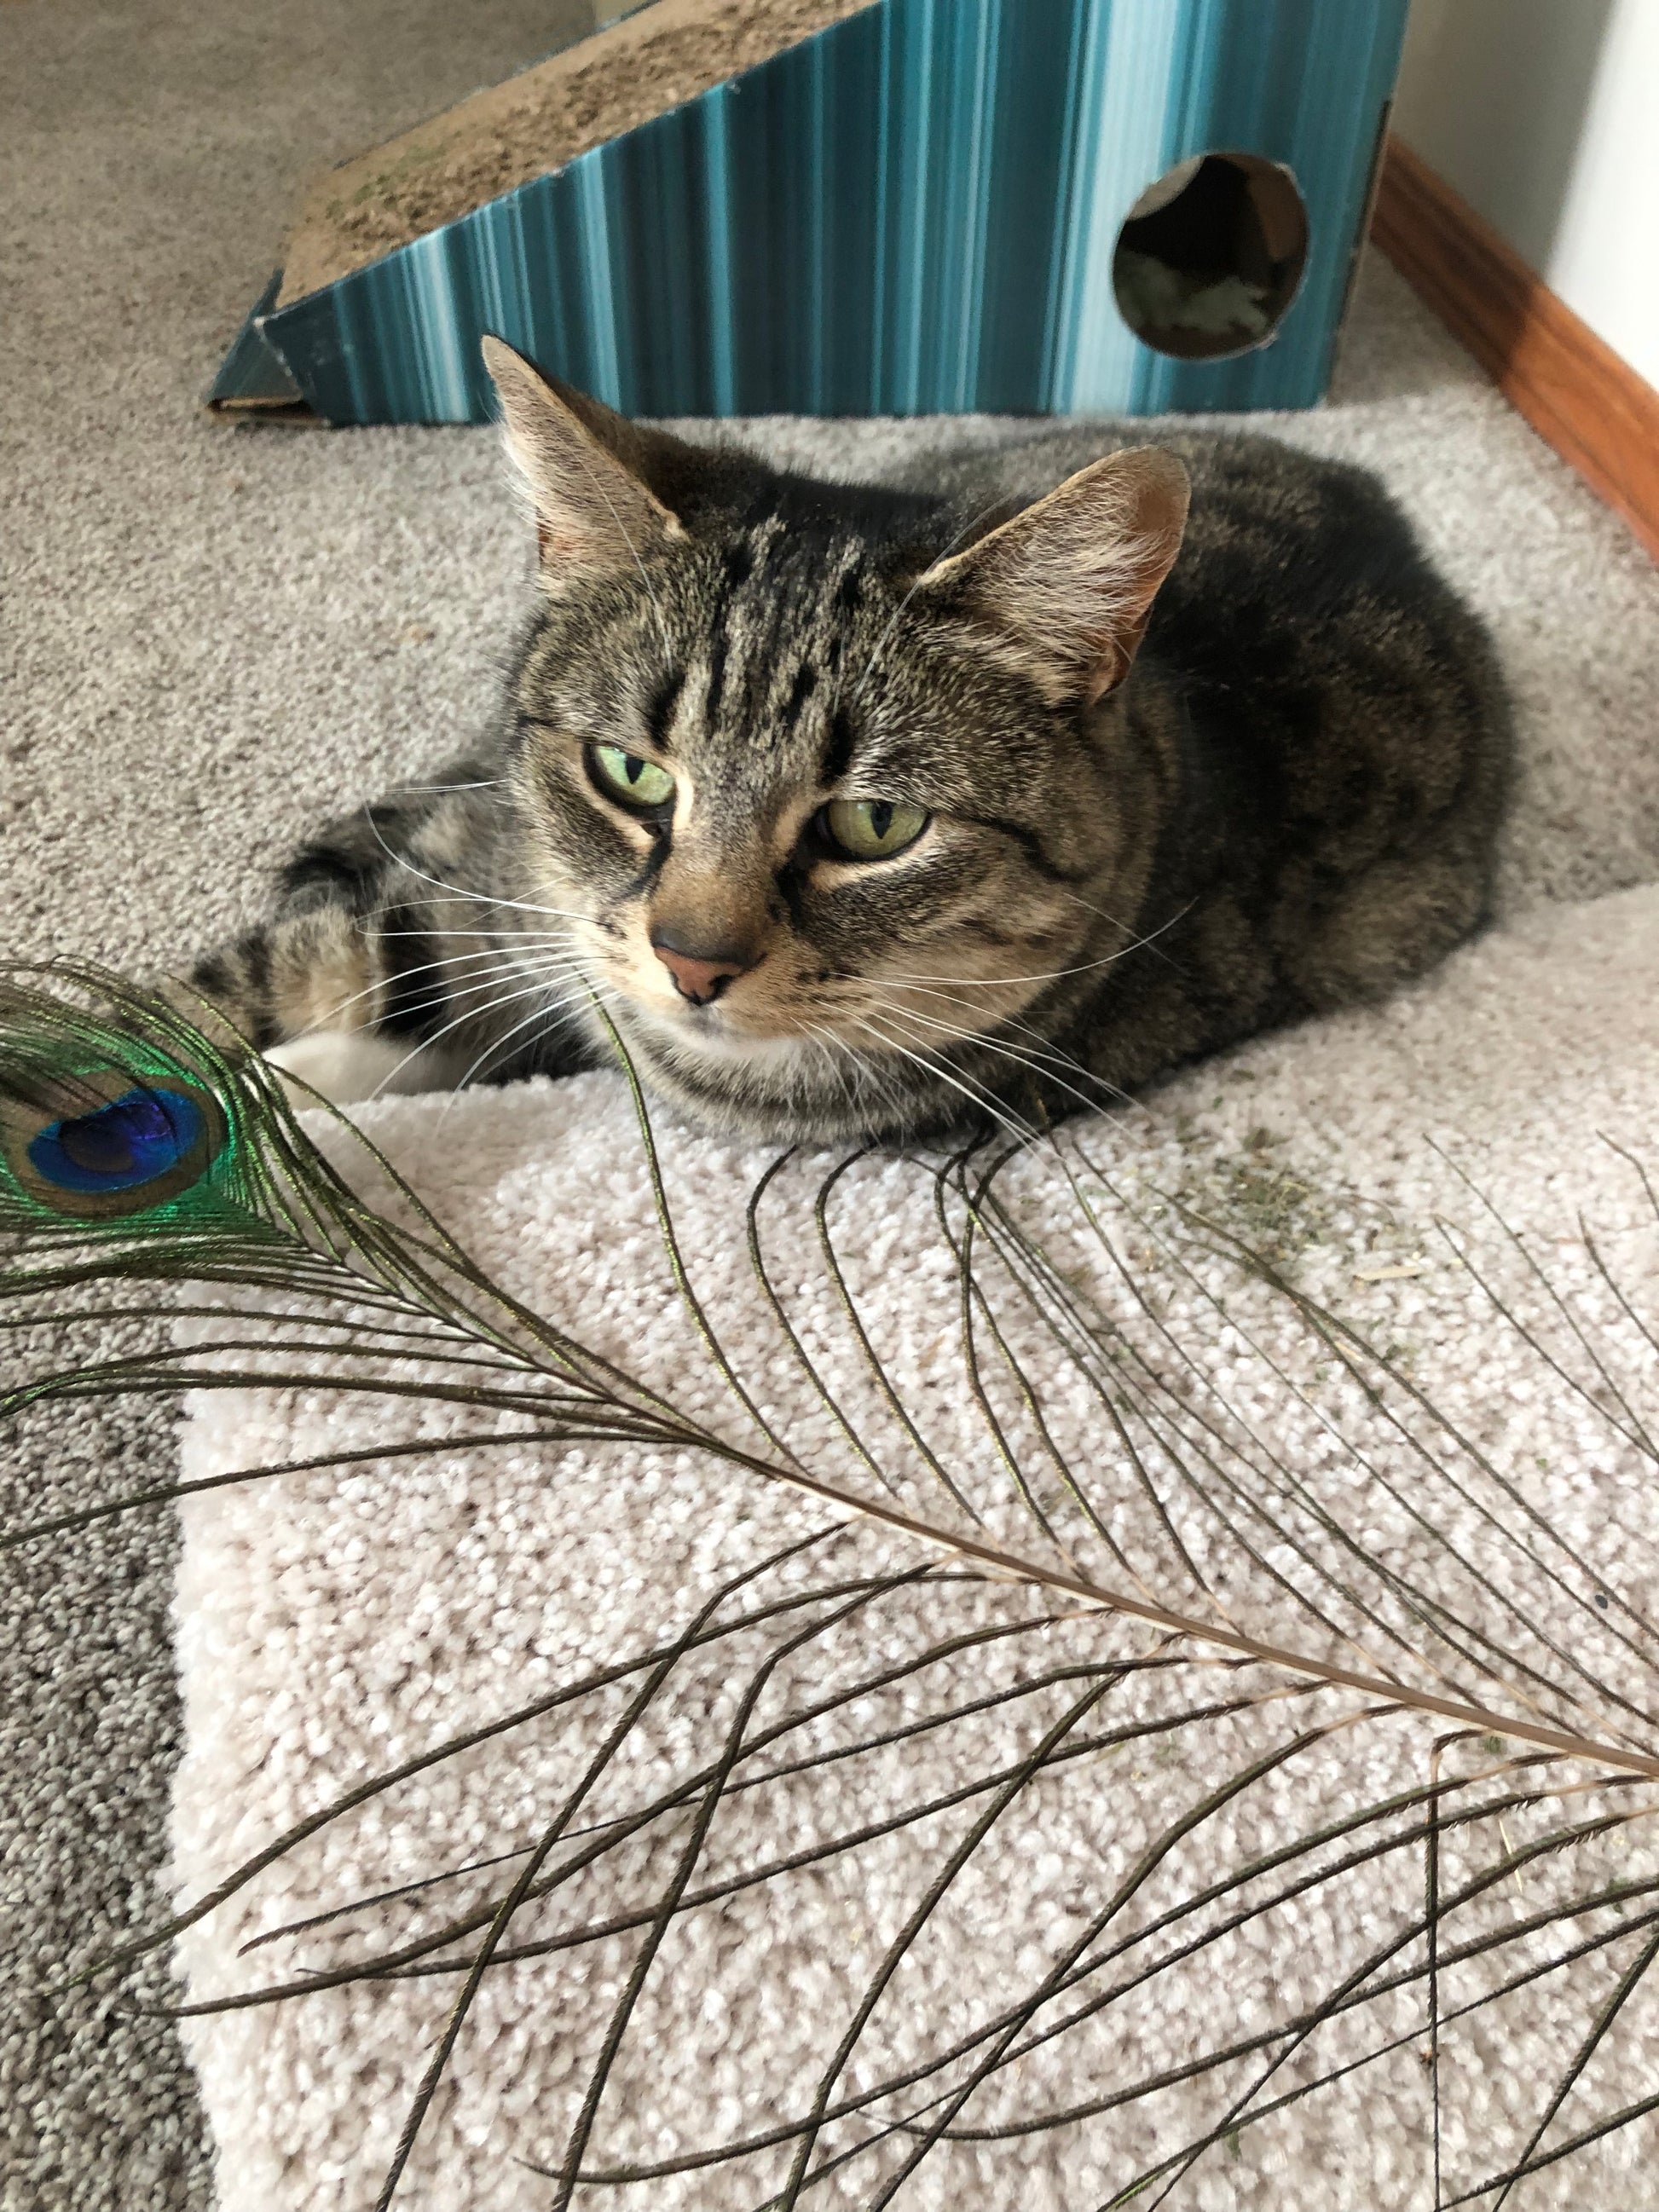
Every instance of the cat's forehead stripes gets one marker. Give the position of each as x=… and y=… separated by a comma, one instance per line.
x=664, y=708
x=767, y=663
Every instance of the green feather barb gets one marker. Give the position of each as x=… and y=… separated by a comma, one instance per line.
x=130, y=1116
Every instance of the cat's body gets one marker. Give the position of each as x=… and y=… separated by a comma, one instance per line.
x=1286, y=803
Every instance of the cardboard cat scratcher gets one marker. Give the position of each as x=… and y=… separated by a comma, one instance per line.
x=857, y=207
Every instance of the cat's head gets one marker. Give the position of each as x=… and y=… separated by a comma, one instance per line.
x=824, y=778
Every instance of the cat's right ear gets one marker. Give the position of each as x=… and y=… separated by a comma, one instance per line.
x=582, y=466
x=1063, y=593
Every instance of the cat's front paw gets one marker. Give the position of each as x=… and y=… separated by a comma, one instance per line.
x=348, y=1066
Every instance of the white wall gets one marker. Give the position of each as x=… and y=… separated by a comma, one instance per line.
x=1545, y=115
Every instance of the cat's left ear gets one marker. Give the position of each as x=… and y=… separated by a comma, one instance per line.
x=1065, y=591
x=584, y=466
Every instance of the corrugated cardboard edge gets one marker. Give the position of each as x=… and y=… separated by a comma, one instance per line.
x=254, y=378
x=646, y=63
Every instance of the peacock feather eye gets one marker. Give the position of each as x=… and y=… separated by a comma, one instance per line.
x=107, y=1143
x=630, y=779
x=872, y=828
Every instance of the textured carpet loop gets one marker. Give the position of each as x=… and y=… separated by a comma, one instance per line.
x=1117, y=1811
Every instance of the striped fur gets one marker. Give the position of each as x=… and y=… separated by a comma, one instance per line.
x=1288, y=803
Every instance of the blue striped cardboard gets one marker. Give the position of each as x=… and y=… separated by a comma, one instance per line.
x=913, y=212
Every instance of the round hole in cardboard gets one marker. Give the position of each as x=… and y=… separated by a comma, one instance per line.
x=1210, y=256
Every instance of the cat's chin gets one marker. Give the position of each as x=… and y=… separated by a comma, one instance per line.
x=718, y=1042
x=781, y=1090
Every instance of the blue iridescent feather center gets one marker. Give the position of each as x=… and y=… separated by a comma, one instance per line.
x=138, y=1137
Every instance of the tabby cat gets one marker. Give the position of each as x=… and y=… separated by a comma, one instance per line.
x=865, y=811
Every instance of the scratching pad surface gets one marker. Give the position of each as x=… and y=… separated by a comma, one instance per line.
x=331, y=1625
x=648, y=63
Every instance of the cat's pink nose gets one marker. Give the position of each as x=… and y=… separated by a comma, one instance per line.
x=699, y=980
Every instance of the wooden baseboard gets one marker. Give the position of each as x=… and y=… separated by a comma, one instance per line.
x=1570, y=385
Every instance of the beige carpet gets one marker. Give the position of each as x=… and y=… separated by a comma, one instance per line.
x=202, y=640
x=212, y=636
x=333, y=1626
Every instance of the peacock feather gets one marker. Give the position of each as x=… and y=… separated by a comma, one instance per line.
x=152, y=1169
x=98, y=1125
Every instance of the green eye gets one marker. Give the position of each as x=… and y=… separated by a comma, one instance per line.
x=872, y=828
x=625, y=776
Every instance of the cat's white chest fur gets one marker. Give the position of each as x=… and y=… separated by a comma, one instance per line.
x=347, y=1066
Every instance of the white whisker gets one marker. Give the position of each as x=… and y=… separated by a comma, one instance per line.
x=544, y=977
x=456, y=890
x=588, y=995
x=1021, y=1057
x=1014, y=1123
x=502, y=955
x=868, y=1077
x=471, y=1014
x=1151, y=937
x=490, y=783
x=1046, y=1050
x=505, y=937
x=1052, y=975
